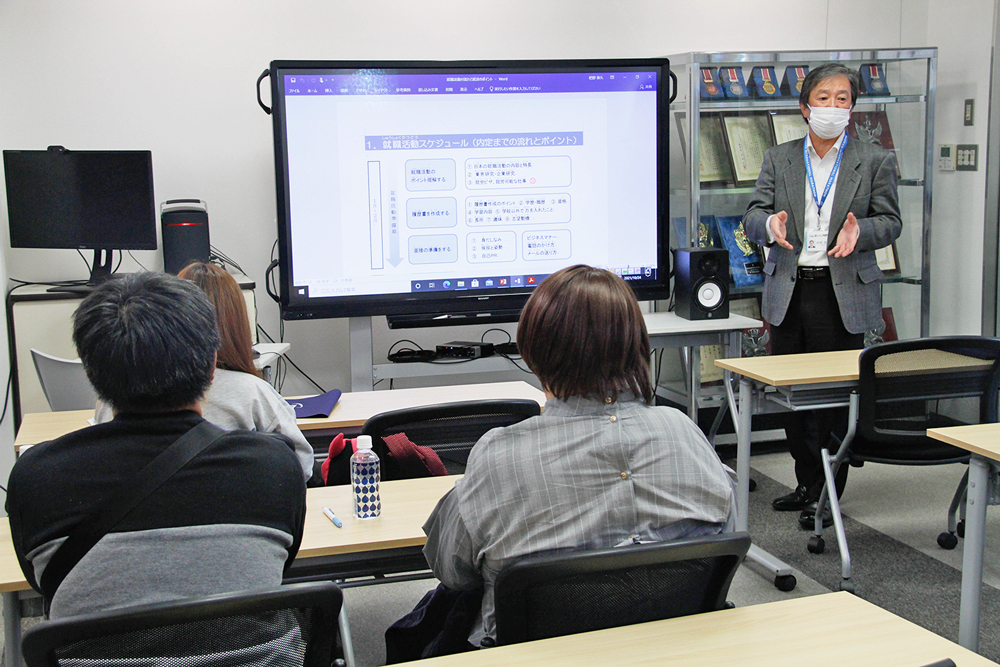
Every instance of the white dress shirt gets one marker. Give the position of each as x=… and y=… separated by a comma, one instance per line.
x=814, y=218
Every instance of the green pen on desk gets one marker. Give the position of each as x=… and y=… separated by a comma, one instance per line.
x=332, y=517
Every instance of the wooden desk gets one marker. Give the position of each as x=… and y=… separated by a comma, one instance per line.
x=776, y=634
x=352, y=410
x=789, y=373
x=812, y=381
x=983, y=440
x=794, y=369
x=406, y=504
x=355, y=408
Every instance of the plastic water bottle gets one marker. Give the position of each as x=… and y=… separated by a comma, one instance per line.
x=365, y=476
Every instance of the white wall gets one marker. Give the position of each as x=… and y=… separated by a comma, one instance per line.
x=178, y=78
x=964, y=33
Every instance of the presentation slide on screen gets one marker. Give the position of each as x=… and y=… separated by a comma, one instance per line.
x=429, y=182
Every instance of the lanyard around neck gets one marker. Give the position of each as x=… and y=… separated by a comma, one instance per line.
x=833, y=174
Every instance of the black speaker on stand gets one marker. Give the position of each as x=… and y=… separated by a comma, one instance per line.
x=701, y=283
x=184, y=228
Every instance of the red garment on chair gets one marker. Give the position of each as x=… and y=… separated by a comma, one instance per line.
x=408, y=460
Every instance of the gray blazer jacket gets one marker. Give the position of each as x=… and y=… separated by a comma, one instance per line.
x=866, y=186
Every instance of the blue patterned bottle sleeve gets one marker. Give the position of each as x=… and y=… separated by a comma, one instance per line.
x=365, y=477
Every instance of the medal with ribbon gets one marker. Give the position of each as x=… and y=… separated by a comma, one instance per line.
x=877, y=84
x=710, y=87
x=765, y=75
x=800, y=75
x=734, y=81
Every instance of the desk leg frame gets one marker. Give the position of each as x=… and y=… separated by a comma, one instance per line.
x=12, y=630
x=345, y=636
x=783, y=577
x=972, y=558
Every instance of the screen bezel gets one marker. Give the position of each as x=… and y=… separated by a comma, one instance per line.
x=471, y=301
x=147, y=231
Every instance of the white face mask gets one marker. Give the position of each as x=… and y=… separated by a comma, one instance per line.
x=828, y=122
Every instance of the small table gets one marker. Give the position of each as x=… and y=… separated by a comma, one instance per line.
x=670, y=330
x=983, y=440
x=803, y=382
x=268, y=355
x=665, y=330
x=777, y=634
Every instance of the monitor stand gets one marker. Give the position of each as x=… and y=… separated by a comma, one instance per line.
x=100, y=270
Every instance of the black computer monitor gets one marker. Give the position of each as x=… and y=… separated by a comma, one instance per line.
x=95, y=200
x=436, y=190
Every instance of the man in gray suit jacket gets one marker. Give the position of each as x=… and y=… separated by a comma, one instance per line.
x=823, y=206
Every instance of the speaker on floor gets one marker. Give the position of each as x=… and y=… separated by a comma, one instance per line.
x=184, y=228
x=701, y=283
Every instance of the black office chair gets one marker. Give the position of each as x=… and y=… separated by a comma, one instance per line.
x=565, y=593
x=290, y=626
x=450, y=429
x=905, y=388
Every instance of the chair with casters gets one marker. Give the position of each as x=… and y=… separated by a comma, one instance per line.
x=906, y=387
x=64, y=382
x=288, y=626
x=450, y=429
x=565, y=593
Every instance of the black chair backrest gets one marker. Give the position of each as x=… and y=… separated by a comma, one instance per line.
x=290, y=626
x=566, y=593
x=450, y=429
x=909, y=386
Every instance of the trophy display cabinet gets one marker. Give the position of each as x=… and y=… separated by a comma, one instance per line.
x=731, y=107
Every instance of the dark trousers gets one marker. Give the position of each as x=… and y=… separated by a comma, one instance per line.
x=813, y=324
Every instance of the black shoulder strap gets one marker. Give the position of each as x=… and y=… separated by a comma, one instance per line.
x=126, y=498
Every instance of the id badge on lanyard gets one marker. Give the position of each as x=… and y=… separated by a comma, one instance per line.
x=816, y=238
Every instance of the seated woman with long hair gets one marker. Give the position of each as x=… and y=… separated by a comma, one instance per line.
x=238, y=397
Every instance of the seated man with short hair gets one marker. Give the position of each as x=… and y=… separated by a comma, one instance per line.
x=600, y=467
x=229, y=518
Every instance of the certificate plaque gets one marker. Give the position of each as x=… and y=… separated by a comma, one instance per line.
x=788, y=126
x=887, y=259
x=748, y=136
x=714, y=167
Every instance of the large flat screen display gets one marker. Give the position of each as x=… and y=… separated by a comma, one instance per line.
x=438, y=187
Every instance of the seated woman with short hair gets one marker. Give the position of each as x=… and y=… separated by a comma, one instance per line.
x=602, y=466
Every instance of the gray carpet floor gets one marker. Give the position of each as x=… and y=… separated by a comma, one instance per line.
x=886, y=571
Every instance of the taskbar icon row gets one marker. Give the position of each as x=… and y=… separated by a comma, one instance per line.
x=482, y=282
